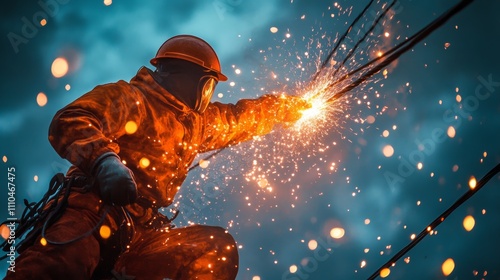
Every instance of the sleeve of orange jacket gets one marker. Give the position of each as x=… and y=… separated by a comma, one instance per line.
x=229, y=124
x=85, y=129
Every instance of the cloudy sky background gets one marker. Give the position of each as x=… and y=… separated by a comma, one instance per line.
x=107, y=43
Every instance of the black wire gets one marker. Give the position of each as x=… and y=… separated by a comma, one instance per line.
x=342, y=38
x=397, y=51
x=374, y=24
x=438, y=220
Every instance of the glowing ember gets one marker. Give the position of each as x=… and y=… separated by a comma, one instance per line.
x=385, y=272
x=43, y=241
x=41, y=99
x=59, y=67
x=367, y=221
x=388, y=151
x=130, y=127
x=363, y=264
x=4, y=158
x=237, y=71
x=448, y=266
x=469, y=223
x=472, y=182
x=105, y=232
x=43, y=22
x=337, y=233
x=313, y=244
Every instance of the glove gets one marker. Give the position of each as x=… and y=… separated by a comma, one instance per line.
x=115, y=181
x=291, y=108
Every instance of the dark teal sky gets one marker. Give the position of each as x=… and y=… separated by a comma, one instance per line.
x=419, y=97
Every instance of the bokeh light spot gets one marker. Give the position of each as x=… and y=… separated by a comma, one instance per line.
x=469, y=223
x=130, y=127
x=4, y=231
x=105, y=232
x=59, y=67
x=388, y=151
x=273, y=29
x=337, y=233
x=472, y=182
x=313, y=244
x=420, y=166
x=204, y=163
x=263, y=183
x=41, y=99
x=448, y=266
x=4, y=158
x=293, y=268
x=43, y=241
x=144, y=162
x=451, y=132
x=385, y=272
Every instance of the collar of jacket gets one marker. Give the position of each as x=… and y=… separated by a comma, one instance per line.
x=146, y=83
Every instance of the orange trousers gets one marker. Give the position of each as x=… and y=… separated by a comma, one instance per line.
x=193, y=252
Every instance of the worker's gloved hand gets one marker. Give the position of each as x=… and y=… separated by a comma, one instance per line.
x=291, y=108
x=115, y=181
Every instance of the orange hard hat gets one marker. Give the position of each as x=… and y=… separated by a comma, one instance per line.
x=193, y=49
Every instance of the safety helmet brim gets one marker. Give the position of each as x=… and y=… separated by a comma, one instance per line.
x=193, y=49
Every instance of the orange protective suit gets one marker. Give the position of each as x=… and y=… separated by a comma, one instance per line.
x=157, y=137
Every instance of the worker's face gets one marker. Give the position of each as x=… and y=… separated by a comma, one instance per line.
x=189, y=82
